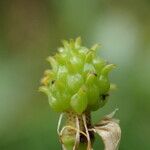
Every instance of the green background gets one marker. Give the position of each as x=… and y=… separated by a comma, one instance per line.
x=31, y=30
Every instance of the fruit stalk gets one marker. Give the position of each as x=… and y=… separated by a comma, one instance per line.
x=69, y=135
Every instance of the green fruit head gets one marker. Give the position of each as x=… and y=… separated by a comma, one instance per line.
x=78, y=79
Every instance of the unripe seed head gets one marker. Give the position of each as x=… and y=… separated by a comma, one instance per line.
x=78, y=79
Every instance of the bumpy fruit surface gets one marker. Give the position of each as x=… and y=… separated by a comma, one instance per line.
x=78, y=79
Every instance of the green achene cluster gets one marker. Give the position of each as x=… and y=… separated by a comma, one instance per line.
x=78, y=79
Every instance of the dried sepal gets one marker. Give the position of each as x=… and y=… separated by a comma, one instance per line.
x=109, y=130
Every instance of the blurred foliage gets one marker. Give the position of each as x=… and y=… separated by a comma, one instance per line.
x=30, y=30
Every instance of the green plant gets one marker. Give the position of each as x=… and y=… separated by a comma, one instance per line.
x=76, y=85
